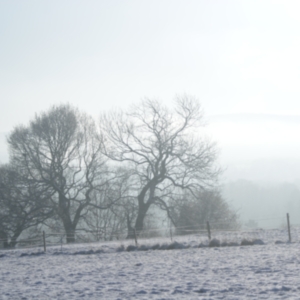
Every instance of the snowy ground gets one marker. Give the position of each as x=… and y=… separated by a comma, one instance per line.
x=99, y=271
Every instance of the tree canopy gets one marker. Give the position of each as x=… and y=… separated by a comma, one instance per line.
x=61, y=151
x=162, y=147
x=65, y=169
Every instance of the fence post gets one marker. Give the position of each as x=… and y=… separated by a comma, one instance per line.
x=44, y=241
x=171, y=234
x=289, y=227
x=208, y=230
x=136, y=243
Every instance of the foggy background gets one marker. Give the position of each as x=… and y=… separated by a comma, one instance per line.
x=240, y=58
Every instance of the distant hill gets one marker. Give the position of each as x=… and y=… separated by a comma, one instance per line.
x=263, y=205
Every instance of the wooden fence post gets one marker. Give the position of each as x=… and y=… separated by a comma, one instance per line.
x=44, y=241
x=136, y=243
x=289, y=227
x=208, y=230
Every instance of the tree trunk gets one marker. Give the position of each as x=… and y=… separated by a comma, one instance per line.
x=13, y=243
x=69, y=230
x=64, y=214
x=130, y=230
x=6, y=244
x=4, y=239
x=17, y=233
x=70, y=236
x=143, y=208
x=139, y=223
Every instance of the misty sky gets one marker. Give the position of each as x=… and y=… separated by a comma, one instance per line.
x=240, y=58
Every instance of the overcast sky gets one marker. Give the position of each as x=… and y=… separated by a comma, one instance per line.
x=240, y=58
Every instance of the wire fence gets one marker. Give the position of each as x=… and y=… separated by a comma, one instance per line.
x=199, y=233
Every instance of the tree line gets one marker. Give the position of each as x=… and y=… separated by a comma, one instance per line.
x=66, y=169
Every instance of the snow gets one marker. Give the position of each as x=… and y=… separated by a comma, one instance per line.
x=108, y=271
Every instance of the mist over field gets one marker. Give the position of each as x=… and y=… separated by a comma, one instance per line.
x=259, y=157
x=147, y=75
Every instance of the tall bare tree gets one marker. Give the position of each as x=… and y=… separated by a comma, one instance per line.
x=60, y=150
x=163, y=148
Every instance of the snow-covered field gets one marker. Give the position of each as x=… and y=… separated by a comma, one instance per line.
x=106, y=271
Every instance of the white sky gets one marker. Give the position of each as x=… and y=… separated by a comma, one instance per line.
x=236, y=56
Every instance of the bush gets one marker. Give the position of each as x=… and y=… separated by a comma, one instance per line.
x=192, y=215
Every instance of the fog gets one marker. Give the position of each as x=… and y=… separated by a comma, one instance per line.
x=258, y=146
x=259, y=154
x=240, y=58
x=259, y=157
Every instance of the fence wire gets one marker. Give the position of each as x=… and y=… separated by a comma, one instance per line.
x=200, y=232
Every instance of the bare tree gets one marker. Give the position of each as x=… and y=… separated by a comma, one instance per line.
x=60, y=150
x=162, y=148
x=108, y=210
x=23, y=204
